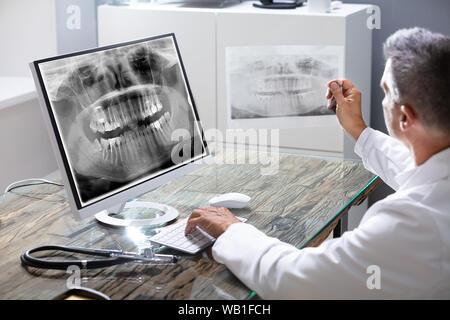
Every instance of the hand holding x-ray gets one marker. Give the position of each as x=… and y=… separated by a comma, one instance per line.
x=345, y=100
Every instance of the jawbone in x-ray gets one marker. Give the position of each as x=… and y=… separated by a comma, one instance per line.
x=116, y=111
x=280, y=81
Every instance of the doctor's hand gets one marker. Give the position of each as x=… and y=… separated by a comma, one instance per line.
x=213, y=220
x=345, y=100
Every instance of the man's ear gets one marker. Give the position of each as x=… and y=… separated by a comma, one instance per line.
x=407, y=117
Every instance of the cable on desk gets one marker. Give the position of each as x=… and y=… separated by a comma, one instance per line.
x=30, y=182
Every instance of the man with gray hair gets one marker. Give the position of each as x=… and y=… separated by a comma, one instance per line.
x=401, y=249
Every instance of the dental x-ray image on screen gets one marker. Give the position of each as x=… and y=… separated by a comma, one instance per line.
x=116, y=110
x=279, y=81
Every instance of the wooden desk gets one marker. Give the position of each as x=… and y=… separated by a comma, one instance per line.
x=301, y=205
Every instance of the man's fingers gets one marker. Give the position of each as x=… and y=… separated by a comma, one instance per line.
x=332, y=104
x=204, y=210
x=344, y=83
x=196, y=216
x=196, y=213
x=191, y=224
x=336, y=90
x=339, y=81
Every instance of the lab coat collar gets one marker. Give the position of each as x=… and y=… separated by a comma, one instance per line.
x=435, y=168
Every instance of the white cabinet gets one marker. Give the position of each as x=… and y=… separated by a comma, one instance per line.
x=203, y=34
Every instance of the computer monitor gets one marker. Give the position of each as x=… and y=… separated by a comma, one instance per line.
x=122, y=120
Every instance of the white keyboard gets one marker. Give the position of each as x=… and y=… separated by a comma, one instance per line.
x=173, y=236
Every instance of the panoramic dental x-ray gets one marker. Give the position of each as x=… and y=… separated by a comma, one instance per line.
x=116, y=111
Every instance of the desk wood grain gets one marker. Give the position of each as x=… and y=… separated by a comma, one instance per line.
x=300, y=204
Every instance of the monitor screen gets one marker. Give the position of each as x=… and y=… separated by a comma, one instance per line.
x=121, y=114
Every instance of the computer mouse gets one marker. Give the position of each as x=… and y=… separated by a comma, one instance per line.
x=230, y=200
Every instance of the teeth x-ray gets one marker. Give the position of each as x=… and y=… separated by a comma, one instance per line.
x=116, y=110
x=279, y=81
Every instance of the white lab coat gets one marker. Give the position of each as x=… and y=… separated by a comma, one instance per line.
x=406, y=236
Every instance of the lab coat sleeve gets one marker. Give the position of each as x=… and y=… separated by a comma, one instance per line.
x=383, y=155
x=337, y=269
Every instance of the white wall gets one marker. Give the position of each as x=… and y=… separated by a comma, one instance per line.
x=27, y=32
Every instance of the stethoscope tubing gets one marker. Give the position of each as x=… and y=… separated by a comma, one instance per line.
x=28, y=260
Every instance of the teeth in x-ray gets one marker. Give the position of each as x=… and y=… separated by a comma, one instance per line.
x=167, y=116
x=287, y=91
x=285, y=84
x=126, y=110
x=133, y=145
x=100, y=119
x=128, y=146
x=290, y=101
x=147, y=108
x=157, y=125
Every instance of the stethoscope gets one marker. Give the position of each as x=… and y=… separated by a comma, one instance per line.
x=110, y=258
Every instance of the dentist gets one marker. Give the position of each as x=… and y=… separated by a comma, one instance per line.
x=407, y=234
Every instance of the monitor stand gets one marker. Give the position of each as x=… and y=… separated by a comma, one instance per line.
x=137, y=213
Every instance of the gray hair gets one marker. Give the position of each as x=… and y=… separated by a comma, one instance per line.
x=420, y=64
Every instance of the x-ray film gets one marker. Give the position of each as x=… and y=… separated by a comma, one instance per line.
x=281, y=86
x=116, y=111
